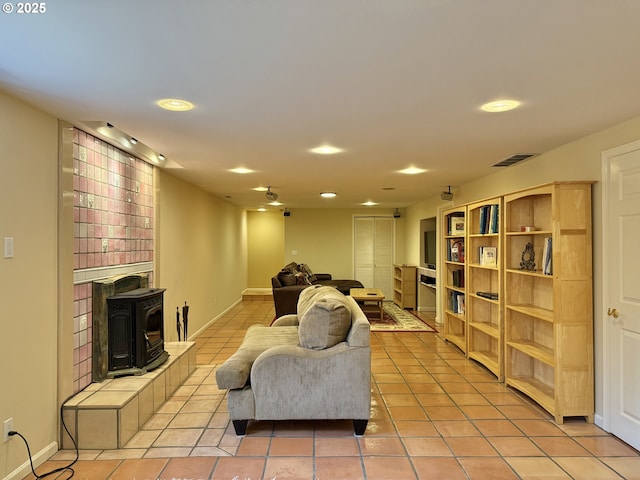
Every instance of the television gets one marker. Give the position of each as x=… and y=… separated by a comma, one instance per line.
x=430, y=249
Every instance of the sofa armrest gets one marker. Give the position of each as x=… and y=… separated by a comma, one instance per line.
x=290, y=320
x=285, y=299
x=292, y=382
x=323, y=276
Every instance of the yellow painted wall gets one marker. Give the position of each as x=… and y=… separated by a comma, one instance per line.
x=29, y=281
x=265, y=240
x=579, y=160
x=201, y=252
x=323, y=238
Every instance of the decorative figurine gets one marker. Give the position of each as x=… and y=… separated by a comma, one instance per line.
x=178, y=327
x=528, y=258
x=185, y=319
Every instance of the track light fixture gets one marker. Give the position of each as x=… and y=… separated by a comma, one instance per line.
x=448, y=195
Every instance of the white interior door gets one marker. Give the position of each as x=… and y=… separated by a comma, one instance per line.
x=621, y=212
x=363, y=255
x=373, y=252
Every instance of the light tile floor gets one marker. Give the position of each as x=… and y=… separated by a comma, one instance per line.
x=435, y=415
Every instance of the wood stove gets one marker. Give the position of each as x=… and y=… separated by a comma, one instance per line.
x=136, y=331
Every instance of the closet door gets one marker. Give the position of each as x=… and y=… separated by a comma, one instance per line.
x=373, y=252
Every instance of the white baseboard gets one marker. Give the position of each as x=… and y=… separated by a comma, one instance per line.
x=192, y=336
x=38, y=459
x=257, y=291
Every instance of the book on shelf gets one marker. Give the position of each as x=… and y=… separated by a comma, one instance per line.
x=456, y=225
x=488, y=256
x=489, y=295
x=547, y=256
x=458, y=278
x=456, y=302
x=456, y=250
x=488, y=221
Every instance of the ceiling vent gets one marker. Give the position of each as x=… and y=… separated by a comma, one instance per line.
x=513, y=159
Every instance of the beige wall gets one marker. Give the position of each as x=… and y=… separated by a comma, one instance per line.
x=323, y=238
x=29, y=284
x=201, y=252
x=579, y=160
x=265, y=240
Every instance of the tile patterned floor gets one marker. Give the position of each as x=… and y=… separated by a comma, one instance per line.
x=435, y=415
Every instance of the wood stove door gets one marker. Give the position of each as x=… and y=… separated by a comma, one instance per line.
x=120, y=336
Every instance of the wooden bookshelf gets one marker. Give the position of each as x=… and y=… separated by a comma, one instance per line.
x=484, y=285
x=549, y=314
x=454, y=275
x=405, y=283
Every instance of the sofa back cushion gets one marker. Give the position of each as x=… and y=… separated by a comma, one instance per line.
x=324, y=317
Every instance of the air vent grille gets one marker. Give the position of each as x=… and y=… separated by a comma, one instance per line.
x=513, y=159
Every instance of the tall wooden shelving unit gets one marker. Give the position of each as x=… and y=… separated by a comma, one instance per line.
x=484, y=285
x=454, y=273
x=549, y=316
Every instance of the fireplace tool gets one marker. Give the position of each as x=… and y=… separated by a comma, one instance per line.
x=178, y=327
x=185, y=319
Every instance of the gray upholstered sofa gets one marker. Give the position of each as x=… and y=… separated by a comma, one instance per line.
x=312, y=365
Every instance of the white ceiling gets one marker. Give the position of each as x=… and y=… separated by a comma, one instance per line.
x=396, y=83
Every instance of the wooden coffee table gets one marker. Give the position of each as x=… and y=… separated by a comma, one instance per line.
x=369, y=295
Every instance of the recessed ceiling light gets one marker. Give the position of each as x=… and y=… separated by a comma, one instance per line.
x=175, y=104
x=326, y=150
x=412, y=171
x=275, y=203
x=369, y=204
x=260, y=189
x=328, y=194
x=500, y=106
x=161, y=157
x=262, y=209
x=241, y=170
x=133, y=140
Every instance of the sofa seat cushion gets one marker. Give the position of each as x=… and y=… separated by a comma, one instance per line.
x=324, y=317
x=235, y=371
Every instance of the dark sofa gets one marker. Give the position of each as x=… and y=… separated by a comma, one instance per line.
x=294, y=278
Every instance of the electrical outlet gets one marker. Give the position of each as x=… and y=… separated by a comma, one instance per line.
x=8, y=426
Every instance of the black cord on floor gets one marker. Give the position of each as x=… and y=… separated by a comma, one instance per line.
x=59, y=469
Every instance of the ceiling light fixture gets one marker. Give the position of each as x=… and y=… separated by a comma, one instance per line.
x=369, y=203
x=326, y=150
x=328, y=194
x=175, y=104
x=161, y=157
x=497, y=106
x=133, y=140
x=241, y=170
x=412, y=171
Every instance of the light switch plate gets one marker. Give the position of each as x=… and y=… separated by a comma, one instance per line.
x=8, y=247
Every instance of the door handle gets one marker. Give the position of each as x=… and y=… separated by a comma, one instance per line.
x=613, y=312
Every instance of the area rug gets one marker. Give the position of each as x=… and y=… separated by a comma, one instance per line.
x=395, y=319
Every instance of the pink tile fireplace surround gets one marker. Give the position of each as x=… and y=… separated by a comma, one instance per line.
x=113, y=231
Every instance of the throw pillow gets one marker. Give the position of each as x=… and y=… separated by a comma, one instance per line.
x=304, y=268
x=287, y=278
x=325, y=320
x=301, y=279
